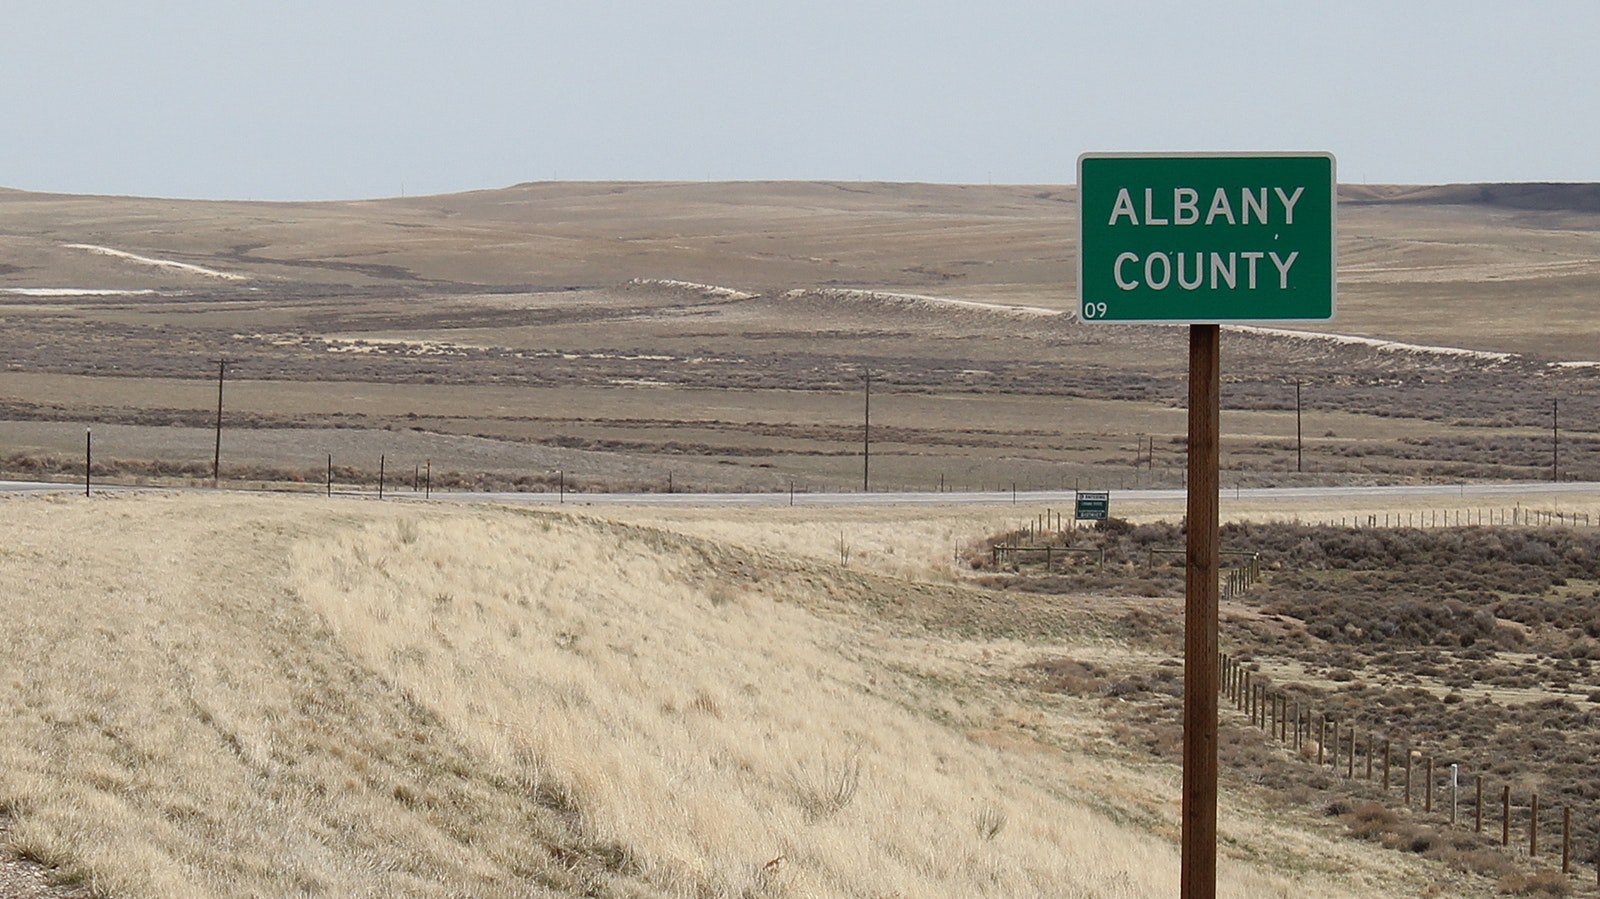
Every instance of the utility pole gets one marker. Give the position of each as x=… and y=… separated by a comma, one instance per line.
x=216, y=460
x=866, y=437
x=1299, y=444
x=1555, y=439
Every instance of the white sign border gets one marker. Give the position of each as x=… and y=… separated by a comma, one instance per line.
x=1333, y=176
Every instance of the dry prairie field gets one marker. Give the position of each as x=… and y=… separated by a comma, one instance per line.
x=720, y=336
x=235, y=693
x=241, y=695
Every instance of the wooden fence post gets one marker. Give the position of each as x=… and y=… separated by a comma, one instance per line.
x=1427, y=801
x=1407, y=750
x=1386, y=764
x=1322, y=734
x=1533, y=827
x=1478, y=807
x=1372, y=740
x=1505, y=815
x=1350, y=766
x=1566, y=839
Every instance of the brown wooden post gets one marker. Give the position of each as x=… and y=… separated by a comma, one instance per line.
x=1505, y=815
x=1350, y=759
x=1322, y=735
x=1385, y=763
x=1427, y=800
x=1533, y=827
x=1199, y=866
x=1407, y=750
x=1477, y=826
x=1372, y=740
x=1566, y=839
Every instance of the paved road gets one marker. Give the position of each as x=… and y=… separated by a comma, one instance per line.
x=995, y=497
x=38, y=487
x=1037, y=497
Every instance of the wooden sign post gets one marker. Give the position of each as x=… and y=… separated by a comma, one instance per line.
x=1201, y=240
x=1200, y=617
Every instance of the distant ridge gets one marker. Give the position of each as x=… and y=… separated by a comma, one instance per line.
x=1544, y=196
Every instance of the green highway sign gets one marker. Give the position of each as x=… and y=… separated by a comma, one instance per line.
x=1205, y=239
x=1092, y=505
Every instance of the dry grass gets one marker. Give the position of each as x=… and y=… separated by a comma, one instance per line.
x=222, y=695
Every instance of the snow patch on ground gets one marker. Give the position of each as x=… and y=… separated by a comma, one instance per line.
x=1387, y=346
x=725, y=293
x=919, y=301
x=72, y=292
x=158, y=263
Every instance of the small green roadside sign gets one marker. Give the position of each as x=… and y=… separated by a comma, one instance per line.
x=1092, y=505
x=1205, y=239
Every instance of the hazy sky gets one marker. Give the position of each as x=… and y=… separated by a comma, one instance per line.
x=362, y=98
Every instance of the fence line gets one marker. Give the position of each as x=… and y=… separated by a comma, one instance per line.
x=1514, y=516
x=1272, y=711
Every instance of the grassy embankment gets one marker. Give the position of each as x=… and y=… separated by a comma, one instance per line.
x=226, y=695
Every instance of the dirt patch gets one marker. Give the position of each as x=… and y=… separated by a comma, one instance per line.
x=23, y=878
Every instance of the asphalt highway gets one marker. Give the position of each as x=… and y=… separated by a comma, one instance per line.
x=1261, y=495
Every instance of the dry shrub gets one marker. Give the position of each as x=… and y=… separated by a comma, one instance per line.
x=1542, y=883
x=1070, y=676
x=1371, y=820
